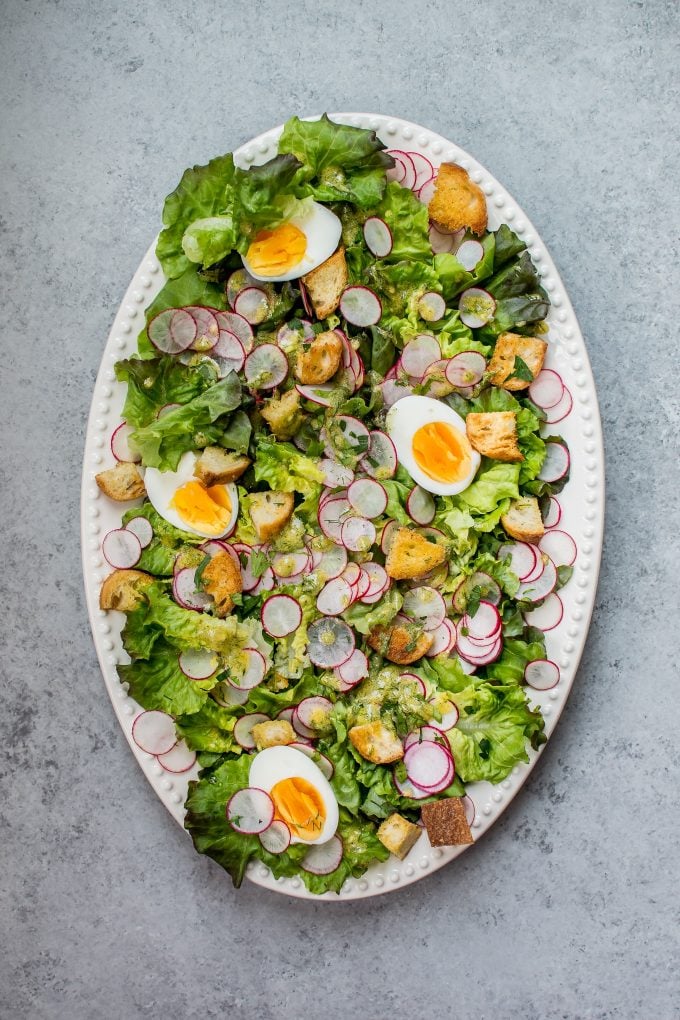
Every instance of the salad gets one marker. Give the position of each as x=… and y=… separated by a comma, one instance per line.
x=341, y=551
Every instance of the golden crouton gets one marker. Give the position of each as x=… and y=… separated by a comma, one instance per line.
x=273, y=733
x=494, y=434
x=283, y=414
x=270, y=512
x=523, y=520
x=457, y=201
x=122, y=482
x=398, y=835
x=375, y=742
x=221, y=578
x=446, y=823
x=412, y=555
x=509, y=346
x=400, y=643
x=123, y=589
x=318, y=361
x=217, y=466
x=326, y=283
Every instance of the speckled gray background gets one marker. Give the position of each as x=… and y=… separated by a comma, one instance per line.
x=569, y=907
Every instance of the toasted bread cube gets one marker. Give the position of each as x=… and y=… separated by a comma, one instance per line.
x=217, y=466
x=318, y=361
x=509, y=346
x=412, y=555
x=494, y=434
x=270, y=512
x=375, y=742
x=398, y=835
x=523, y=520
x=326, y=283
x=283, y=414
x=400, y=643
x=122, y=482
x=446, y=823
x=457, y=201
x=273, y=733
x=221, y=578
x=123, y=589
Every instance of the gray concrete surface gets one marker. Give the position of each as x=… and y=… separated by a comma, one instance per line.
x=569, y=907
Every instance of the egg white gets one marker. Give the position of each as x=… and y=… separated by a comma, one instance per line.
x=405, y=418
x=321, y=228
x=273, y=764
x=161, y=486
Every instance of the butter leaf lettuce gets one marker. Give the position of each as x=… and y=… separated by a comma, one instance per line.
x=364, y=618
x=190, y=288
x=400, y=285
x=284, y=467
x=360, y=848
x=408, y=222
x=520, y=299
x=154, y=382
x=453, y=276
x=157, y=682
x=495, y=482
x=184, y=628
x=509, y=669
x=210, y=728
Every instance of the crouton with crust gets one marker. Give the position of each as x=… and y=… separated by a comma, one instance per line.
x=376, y=743
x=270, y=512
x=221, y=578
x=400, y=643
x=326, y=283
x=273, y=733
x=457, y=201
x=494, y=434
x=318, y=361
x=509, y=346
x=283, y=414
x=412, y=555
x=123, y=589
x=217, y=466
x=523, y=520
x=122, y=482
x=398, y=835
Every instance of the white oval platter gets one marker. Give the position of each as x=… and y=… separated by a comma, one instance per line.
x=582, y=503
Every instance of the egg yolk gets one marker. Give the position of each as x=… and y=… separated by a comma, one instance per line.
x=276, y=251
x=441, y=452
x=207, y=509
x=299, y=805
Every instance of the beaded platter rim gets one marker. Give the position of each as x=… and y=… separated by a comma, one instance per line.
x=582, y=504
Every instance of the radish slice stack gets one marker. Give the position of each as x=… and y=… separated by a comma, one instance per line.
x=549, y=392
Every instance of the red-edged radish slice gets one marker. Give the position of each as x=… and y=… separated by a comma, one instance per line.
x=420, y=505
x=352, y=573
x=355, y=669
x=476, y=307
x=207, y=327
x=429, y=766
x=331, y=516
x=330, y=563
x=378, y=578
x=198, y=663
x=321, y=394
x=243, y=729
x=522, y=557
x=231, y=322
x=542, y=674
x=419, y=354
x=470, y=254
x=548, y=615
x=358, y=534
x=423, y=168
x=558, y=413
x=431, y=306
x=228, y=353
x=265, y=583
x=286, y=565
x=360, y=306
x=380, y=460
x=560, y=547
x=443, y=639
x=166, y=409
x=275, y=839
x=469, y=807
x=178, y=759
x=485, y=624
x=289, y=337
x=336, y=475
x=354, y=432
x=253, y=304
x=172, y=331
x=244, y=553
x=335, y=597
x=287, y=714
x=238, y=281
x=468, y=667
x=553, y=514
x=425, y=192
x=367, y=497
x=154, y=732
x=121, y=548
x=120, y=447
x=547, y=389
x=403, y=159
x=323, y=858
x=300, y=728
x=425, y=606
x=226, y=696
x=488, y=586
x=442, y=243
x=393, y=390
x=308, y=709
x=265, y=367
x=405, y=788
x=253, y=672
x=537, y=588
x=424, y=733
x=141, y=527
x=479, y=656
x=378, y=237
x=185, y=592
x=250, y=810
x=465, y=369
x=387, y=536
x=280, y=615
x=304, y=297
x=450, y=718
x=556, y=463
x=330, y=642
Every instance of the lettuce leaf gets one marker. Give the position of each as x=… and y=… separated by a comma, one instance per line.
x=210, y=728
x=454, y=278
x=157, y=682
x=284, y=467
x=364, y=618
x=520, y=299
x=184, y=628
x=190, y=288
x=400, y=285
x=154, y=382
x=495, y=482
x=361, y=848
x=509, y=669
x=408, y=222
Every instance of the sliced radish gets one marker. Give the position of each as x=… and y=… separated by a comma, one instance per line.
x=429, y=766
x=331, y=563
x=321, y=394
x=450, y=718
x=178, y=759
x=154, y=732
x=367, y=497
x=207, y=327
x=380, y=460
x=238, y=281
x=281, y=615
x=378, y=579
x=336, y=475
x=308, y=708
x=358, y=534
x=331, y=642
x=403, y=164
x=141, y=527
x=547, y=389
x=561, y=410
x=228, y=353
x=423, y=168
x=488, y=586
x=542, y=674
x=424, y=733
x=331, y=516
x=227, y=696
x=467, y=667
x=425, y=192
x=420, y=505
x=253, y=304
x=470, y=254
x=185, y=592
x=466, y=369
x=378, y=237
x=388, y=533
x=553, y=514
x=287, y=714
x=250, y=810
x=300, y=728
x=469, y=806
x=172, y=331
x=275, y=839
x=419, y=354
x=243, y=729
x=323, y=858
x=476, y=307
x=355, y=669
x=265, y=367
x=393, y=390
x=121, y=548
x=443, y=639
x=442, y=243
x=253, y=672
x=244, y=553
x=120, y=447
x=405, y=788
x=431, y=306
x=198, y=663
x=335, y=597
x=548, y=615
x=231, y=322
x=287, y=565
x=485, y=624
x=556, y=463
x=425, y=606
x=560, y=547
x=265, y=583
x=522, y=558
x=360, y=306
x=537, y=588
x=479, y=657
x=166, y=409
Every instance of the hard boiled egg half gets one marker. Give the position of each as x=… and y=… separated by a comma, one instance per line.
x=302, y=795
x=432, y=444
x=296, y=246
x=185, y=502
